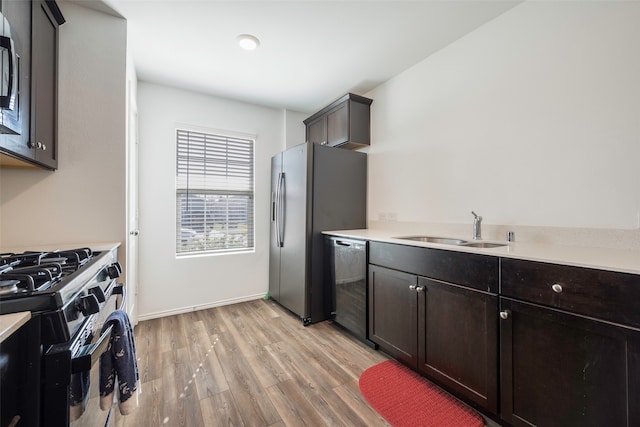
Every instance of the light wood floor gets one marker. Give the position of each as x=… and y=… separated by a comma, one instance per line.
x=249, y=364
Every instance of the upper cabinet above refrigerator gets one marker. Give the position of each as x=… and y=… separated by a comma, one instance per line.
x=344, y=123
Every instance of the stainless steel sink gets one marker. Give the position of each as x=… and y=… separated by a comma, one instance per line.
x=483, y=245
x=432, y=239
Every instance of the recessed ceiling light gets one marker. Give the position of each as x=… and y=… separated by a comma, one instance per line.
x=247, y=41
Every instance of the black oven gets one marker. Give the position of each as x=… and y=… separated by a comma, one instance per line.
x=70, y=371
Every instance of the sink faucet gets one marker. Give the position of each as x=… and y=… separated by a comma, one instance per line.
x=477, y=230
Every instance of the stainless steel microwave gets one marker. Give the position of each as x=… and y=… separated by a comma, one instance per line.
x=9, y=81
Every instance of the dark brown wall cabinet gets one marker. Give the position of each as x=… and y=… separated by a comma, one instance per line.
x=344, y=123
x=446, y=330
x=562, y=364
x=37, y=145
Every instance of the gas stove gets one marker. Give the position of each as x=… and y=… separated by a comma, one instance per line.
x=36, y=271
x=65, y=286
x=69, y=293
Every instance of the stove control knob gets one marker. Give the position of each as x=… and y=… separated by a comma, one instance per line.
x=89, y=305
x=114, y=270
x=99, y=293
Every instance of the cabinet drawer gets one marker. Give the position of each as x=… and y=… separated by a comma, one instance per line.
x=601, y=294
x=471, y=270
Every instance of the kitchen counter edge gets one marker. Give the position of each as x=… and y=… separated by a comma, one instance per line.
x=9, y=323
x=49, y=247
x=624, y=261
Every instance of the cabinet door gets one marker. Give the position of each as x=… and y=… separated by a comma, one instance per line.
x=316, y=131
x=393, y=313
x=338, y=125
x=18, y=15
x=458, y=340
x=563, y=370
x=45, y=78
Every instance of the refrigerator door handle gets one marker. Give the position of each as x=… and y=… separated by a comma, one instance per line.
x=280, y=215
x=274, y=213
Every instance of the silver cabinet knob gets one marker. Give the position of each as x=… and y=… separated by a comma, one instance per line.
x=31, y=144
x=557, y=288
x=504, y=315
x=44, y=147
x=420, y=289
x=39, y=145
x=412, y=287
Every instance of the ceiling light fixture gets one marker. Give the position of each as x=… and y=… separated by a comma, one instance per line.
x=247, y=41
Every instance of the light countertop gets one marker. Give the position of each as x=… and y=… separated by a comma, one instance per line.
x=49, y=247
x=621, y=260
x=9, y=323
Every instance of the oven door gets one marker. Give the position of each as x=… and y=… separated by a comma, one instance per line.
x=84, y=402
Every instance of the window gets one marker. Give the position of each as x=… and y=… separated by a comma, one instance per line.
x=214, y=193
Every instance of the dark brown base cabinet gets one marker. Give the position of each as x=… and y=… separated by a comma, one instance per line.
x=565, y=370
x=393, y=313
x=560, y=365
x=445, y=331
x=458, y=340
x=557, y=346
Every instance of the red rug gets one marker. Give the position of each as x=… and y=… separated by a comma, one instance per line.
x=404, y=398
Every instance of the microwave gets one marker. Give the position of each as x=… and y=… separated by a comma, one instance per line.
x=10, y=117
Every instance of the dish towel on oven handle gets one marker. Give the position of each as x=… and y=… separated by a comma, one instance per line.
x=119, y=363
x=78, y=394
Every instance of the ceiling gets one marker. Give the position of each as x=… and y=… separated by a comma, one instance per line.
x=310, y=53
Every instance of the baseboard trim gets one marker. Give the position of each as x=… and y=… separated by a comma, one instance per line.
x=172, y=312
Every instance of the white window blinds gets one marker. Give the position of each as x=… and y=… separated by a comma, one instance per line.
x=214, y=193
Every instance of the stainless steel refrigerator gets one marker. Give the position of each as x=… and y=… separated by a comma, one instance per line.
x=313, y=188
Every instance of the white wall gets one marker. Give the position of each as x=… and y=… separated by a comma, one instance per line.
x=169, y=284
x=533, y=119
x=295, y=131
x=84, y=200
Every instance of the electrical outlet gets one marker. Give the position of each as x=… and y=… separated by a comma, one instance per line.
x=392, y=216
x=382, y=216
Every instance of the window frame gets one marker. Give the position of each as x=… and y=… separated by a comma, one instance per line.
x=216, y=136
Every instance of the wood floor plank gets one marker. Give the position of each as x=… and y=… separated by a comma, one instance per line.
x=171, y=338
x=209, y=377
x=185, y=409
x=350, y=394
x=221, y=410
x=249, y=364
x=255, y=407
x=266, y=369
x=294, y=409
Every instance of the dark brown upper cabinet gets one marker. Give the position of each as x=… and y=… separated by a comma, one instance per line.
x=36, y=145
x=345, y=123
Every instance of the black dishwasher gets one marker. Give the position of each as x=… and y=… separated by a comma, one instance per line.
x=349, y=285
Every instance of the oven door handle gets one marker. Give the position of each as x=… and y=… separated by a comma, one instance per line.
x=90, y=353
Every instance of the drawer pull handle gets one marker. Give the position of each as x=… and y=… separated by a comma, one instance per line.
x=412, y=287
x=504, y=315
x=557, y=288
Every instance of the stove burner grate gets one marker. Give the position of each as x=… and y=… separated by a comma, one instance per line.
x=37, y=271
